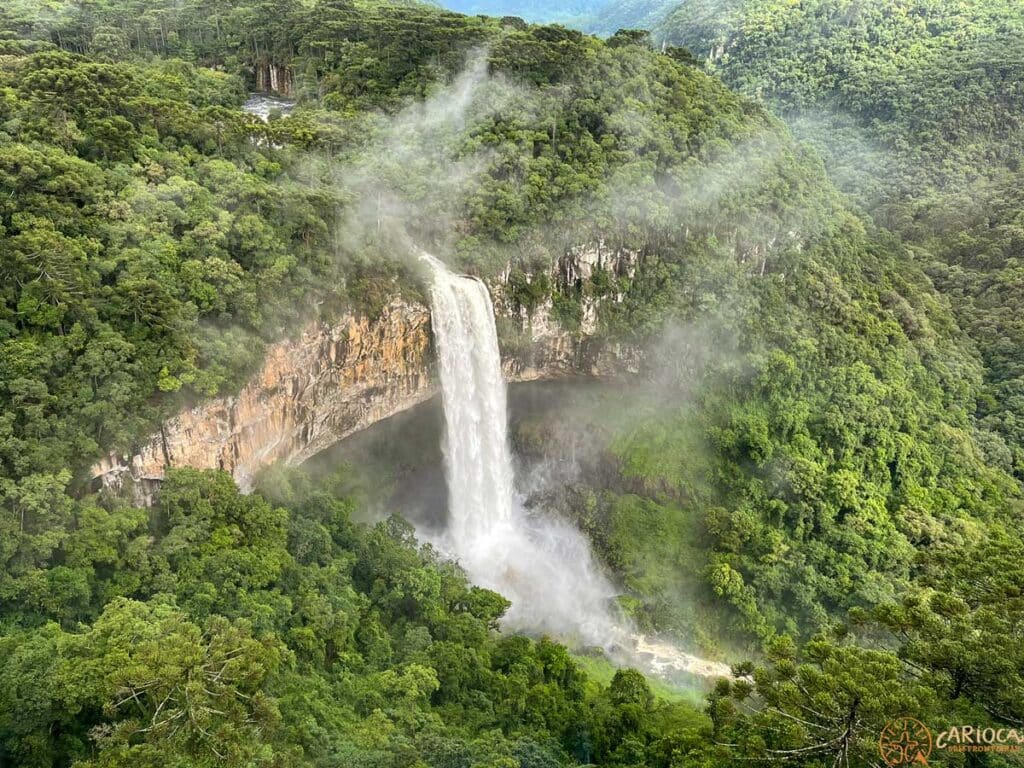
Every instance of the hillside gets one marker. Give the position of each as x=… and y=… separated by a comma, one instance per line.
x=915, y=107
x=629, y=14
x=922, y=81
x=803, y=458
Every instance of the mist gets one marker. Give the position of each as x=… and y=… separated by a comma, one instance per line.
x=541, y=563
x=413, y=184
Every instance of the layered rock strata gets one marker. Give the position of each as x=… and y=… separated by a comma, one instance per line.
x=335, y=379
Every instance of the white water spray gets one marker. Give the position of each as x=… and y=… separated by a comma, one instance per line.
x=478, y=462
x=543, y=566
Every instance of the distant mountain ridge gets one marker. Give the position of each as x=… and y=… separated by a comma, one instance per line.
x=576, y=13
x=599, y=17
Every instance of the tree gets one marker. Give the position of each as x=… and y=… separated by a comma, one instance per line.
x=169, y=687
x=826, y=709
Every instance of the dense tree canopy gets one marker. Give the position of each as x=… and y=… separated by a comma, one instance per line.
x=916, y=108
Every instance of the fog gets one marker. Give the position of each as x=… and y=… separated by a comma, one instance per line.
x=413, y=184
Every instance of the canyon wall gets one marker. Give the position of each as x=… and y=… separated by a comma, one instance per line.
x=274, y=78
x=550, y=350
x=336, y=379
x=311, y=391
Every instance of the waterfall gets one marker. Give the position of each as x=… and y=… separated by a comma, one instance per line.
x=478, y=462
x=543, y=566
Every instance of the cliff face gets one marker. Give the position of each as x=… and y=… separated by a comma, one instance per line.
x=274, y=78
x=551, y=350
x=311, y=391
x=334, y=380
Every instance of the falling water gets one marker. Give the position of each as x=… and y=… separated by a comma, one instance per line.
x=478, y=462
x=543, y=566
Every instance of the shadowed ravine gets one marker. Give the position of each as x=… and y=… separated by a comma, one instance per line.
x=543, y=566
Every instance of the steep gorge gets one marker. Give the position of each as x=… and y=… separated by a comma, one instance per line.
x=334, y=379
x=543, y=565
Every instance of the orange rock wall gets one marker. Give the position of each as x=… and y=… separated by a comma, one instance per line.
x=334, y=380
x=311, y=392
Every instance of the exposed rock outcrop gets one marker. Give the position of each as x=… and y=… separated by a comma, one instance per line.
x=334, y=380
x=551, y=349
x=329, y=382
x=275, y=78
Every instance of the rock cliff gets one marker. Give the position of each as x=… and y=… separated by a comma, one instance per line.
x=274, y=78
x=336, y=379
x=551, y=350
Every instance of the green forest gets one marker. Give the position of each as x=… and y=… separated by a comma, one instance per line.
x=827, y=191
x=916, y=108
